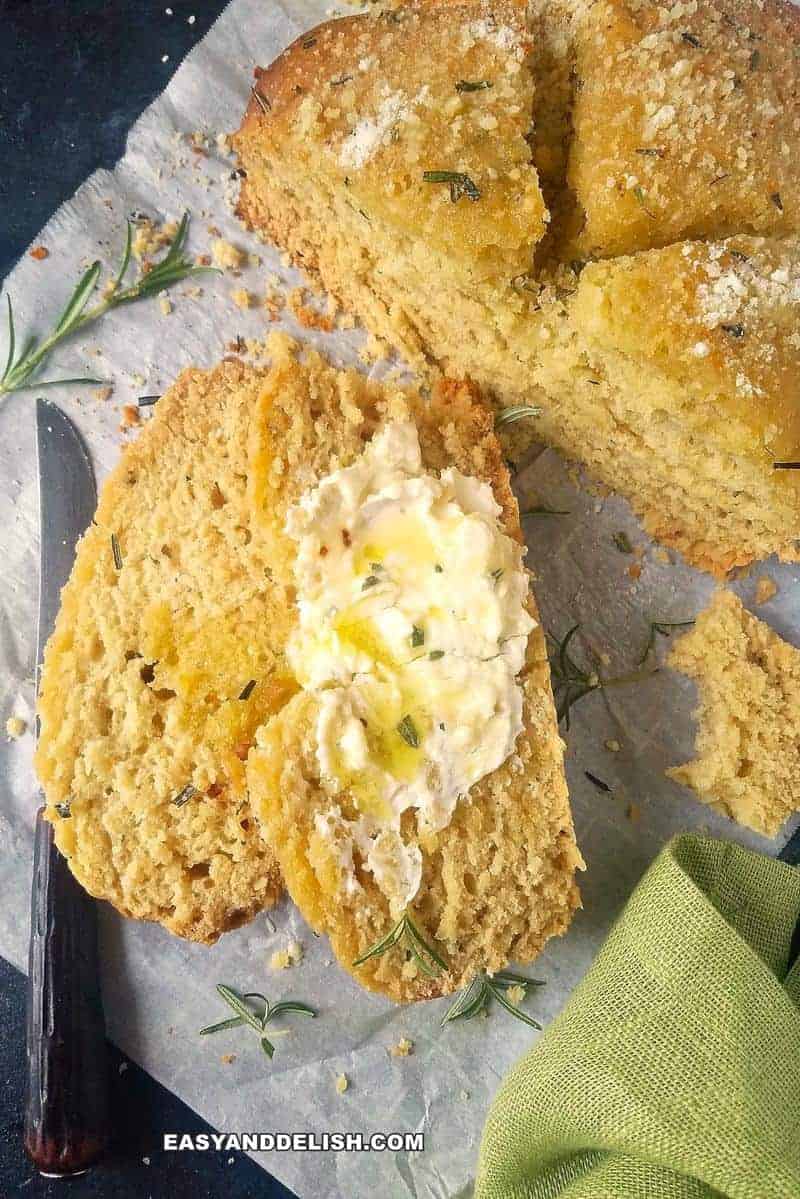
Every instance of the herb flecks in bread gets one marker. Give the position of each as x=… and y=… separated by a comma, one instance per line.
x=569, y=245
x=498, y=879
x=748, y=748
x=162, y=666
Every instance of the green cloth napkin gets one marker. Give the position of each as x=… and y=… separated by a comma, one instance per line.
x=674, y=1070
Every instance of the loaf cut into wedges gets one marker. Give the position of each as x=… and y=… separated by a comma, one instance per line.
x=166, y=656
x=590, y=209
x=496, y=880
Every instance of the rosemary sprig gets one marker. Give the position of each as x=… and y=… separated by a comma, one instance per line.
x=258, y=1021
x=483, y=988
x=664, y=629
x=571, y=683
x=20, y=368
x=510, y=416
x=472, y=85
x=406, y=932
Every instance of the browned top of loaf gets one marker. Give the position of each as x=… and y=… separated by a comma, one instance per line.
x=378, y=96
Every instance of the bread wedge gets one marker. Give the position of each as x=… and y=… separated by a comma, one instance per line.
x=161, y=666
x=748, y=744
x=498, y=880
x=536, y=200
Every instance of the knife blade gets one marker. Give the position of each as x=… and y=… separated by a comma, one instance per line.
x=65, y=1123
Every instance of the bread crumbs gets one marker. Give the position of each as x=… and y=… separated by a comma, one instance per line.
x=342, y=1083
x=516, y=994
x=227, y=256
x=403, y=1048
x=165, y=304
x=766, y=589
x=103, y=393
x=40, y=253
x=228, y=1058
x=282, y=959
x=242, y=298
x=613, y=746
x=131, y=417
x=15, y=727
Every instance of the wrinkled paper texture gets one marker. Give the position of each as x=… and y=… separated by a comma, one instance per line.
x=159, y=990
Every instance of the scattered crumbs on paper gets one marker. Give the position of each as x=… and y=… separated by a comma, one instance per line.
x=463, y=1096
x=766, y=589
x=516, y=994
x=101, y=394
x=282, y=959
x=165, y=304
x=662, y=556
x=226, y=255
x=613, y=746
x=342, y=1083
x=40, y=253
x=403, y=1048
x=123, y=1066
x=242, y=298
x=16, y=727
x=228, y=1058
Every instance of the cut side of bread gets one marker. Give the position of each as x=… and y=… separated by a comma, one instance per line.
x=498, y=880
x=748, y=745
x=612, y=168
x=161, y=667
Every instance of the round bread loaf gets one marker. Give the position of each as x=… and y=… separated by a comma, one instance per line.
x=588, y=208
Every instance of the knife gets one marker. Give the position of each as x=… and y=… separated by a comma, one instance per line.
x=65, y=1125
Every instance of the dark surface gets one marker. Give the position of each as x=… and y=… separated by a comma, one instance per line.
x=73, y=79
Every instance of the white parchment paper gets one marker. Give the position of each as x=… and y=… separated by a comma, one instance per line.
x=159, y=991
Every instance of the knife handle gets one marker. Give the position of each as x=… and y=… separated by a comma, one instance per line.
x=66, y=1092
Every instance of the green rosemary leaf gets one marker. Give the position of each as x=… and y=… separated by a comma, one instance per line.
x=786, y=466
x=247, y=690
x=78, y=300
x=622, y=542
x=406, y=931
x=291, y=1005
x=87, y=380
x=510, y=1007
x=116, y=551
x=408, y=731
x=148, y=401
x=664, y=629
x=234, y=1022
x=692, y=40
x=640, y=195
x=417, y=636
x=64, y=809
x=733, y=330
x=126, y=257
x=469, y=85
x=268, y=1047
x=460, y=184
x=370, y=581
x=510, y=416
x=542, y=510
x=510, y=979
x=11, y=339
x=184, y=795
x=436, y=654
x=471, y=1001
x=598, y=783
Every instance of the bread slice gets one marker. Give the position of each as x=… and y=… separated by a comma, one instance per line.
x=748, y=740
x=498, y=880
x=652, y=140
x=160, y=669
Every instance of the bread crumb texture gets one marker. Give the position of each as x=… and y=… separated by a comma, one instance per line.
x=166, y=657
x=590, y=207
x=498, y=881
x=748, y=748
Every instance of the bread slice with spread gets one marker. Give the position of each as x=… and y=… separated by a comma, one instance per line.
x=413, y=787
x=590, y=209
x=166, y=656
